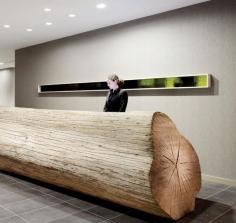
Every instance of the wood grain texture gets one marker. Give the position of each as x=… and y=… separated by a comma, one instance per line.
x=175, y=174
x=107, y=155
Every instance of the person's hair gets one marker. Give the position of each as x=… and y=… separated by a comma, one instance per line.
x=114, y=77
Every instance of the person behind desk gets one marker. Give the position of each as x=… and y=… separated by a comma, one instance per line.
x=117, y=98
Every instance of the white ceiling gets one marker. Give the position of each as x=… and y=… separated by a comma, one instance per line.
x=23, y=14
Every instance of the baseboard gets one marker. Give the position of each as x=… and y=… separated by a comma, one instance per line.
x=230, y=182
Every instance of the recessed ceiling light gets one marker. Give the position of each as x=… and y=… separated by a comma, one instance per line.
x=48, y=23
x=72, y=15
x=101, y=6
x=47, y=10
x=29, y=30
x=1, y=63
x=7, y=26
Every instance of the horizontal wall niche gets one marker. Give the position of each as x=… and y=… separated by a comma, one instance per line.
x=170, y=82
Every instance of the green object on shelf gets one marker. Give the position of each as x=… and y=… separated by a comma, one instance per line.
x=201, y=80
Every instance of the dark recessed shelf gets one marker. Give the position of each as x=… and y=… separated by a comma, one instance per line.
x=171, y=82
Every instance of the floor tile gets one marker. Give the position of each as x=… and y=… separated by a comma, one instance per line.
x=188, y=220
x=105, y=212
x=38, y=202
x=214, y=185
x=13, y=219
x=26, y=180
x=51, y=213
x=228, y=217
x=139, y=217
x=81, y=217
x=32, y=183
x=32, y=204
x=128, y=219
x=43, y=189
x=11, y=197
x=227, y=197
x=62, y=196
x=206, y=210
x=5, y=213
x=8, y=176
x=14, y=187
x=81, y=203
x=207, y=192
x=107, y=221
x=35, y=184
x=209, y=188
x=6, y=181
x=233, y=189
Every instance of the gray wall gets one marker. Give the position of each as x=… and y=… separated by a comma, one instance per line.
x=196, y=39
x=7, y=87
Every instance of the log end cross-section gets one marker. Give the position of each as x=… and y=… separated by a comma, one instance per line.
x=175, y=174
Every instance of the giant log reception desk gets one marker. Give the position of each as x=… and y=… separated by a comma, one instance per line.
x=136, y=159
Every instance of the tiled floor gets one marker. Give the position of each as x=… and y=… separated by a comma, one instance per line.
x=26, y=201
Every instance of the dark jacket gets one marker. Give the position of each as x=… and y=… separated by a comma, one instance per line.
x=116, y=101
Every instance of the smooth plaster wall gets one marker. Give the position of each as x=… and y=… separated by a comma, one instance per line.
x=196, y=39
x=7, y=87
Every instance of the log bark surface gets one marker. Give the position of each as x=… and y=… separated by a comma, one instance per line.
x=137, y=159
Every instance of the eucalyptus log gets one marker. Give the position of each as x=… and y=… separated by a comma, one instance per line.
x=137, y=159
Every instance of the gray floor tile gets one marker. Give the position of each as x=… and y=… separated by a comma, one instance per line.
x=13, y=219
x=32, y=204
x=14, y=187
x=2, y=173
x=233, y=189
x=51, y=213
x=11, y=197
x=5, y=213
x=227, y=197
x=214, y=185
x=43, y=189
x=35, y=185
x=128, y=219
x=105, y=212
x=206, y=192
x=139, y=217
x=81, y=217
x=229, y=217
x=9, y=177
x=107, y=221
x=188, y=220
x=206, y=210
x=26, y=181
x=81, y=203
x=62, y=196
x=209, y=189
x=40, y=204
x=6, y=181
